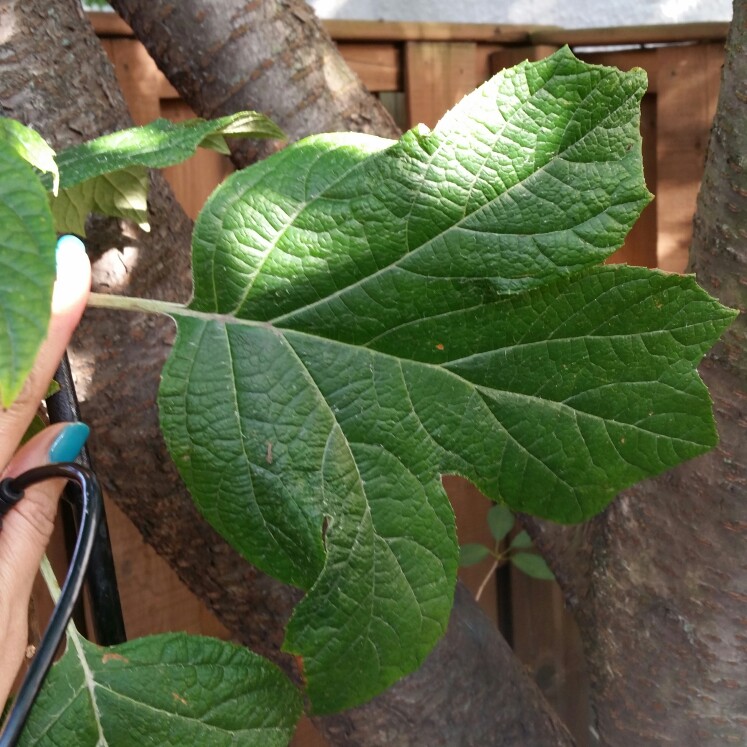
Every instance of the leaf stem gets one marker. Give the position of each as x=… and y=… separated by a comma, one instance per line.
x=153, y=306
x=484, y=583
x=130, y=303
x=50, y=579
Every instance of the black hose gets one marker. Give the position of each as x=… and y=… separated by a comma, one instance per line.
x=11, y=491
x=103, y=595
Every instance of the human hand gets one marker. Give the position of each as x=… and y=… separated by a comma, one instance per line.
x=28, y=526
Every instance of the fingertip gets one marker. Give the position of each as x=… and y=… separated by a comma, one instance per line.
x=73, y=275
x=68, y=244
x=69, y=442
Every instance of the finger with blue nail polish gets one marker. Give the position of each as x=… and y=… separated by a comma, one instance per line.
x=68, y=246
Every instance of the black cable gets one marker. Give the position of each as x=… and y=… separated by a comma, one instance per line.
x=11, y=491
x=106, y=609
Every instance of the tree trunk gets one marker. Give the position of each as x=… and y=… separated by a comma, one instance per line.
x=118, y=358
x=449, y=702
x=660, y=589
x=272, y=56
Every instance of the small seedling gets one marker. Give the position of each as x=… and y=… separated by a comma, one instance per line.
x=501, y=521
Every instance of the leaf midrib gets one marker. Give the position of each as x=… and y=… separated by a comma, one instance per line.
x=90, y=683
x=227, y=319
x=170, y=715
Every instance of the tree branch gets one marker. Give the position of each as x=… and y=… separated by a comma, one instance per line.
x=272, y=56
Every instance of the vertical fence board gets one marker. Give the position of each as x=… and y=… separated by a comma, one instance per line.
x=437, y=76
x=138, y=77
x=547, y=640
x=395, y=103
x=378, y=65
x=640, y=247
x=471, y=508
x=193, y=180
x=154, y=600
x=688, y=85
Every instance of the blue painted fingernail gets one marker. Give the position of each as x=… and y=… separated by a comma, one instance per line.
x=67, y=445
x=66, y=246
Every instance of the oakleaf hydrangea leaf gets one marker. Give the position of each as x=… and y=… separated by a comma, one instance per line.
x=369, y=316
x=109, y=175
x=27, y=269
x=171, y=689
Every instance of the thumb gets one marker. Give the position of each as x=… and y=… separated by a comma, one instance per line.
x=24, y=537
x=28, y=526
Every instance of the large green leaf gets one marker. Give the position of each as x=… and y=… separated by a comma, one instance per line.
x=369, y=316
x=163, y=690
x=109, y=175
x=27, y=268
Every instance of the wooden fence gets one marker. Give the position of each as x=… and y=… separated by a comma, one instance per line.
x=419, y=70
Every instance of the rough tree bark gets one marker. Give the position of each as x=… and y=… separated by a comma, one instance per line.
x=660, y=588
x=118, y=360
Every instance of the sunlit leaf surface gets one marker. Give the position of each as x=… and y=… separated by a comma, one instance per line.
x=109, y=175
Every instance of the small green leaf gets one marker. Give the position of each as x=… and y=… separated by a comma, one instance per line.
x=27, y=269
x=31, y=146
x=521, y=541
x=37, y=425
x=533, y=565
x=109, y=175
x=122, y=194
x=246, y=125
x=169, y=689
x=471, y=553
x=501, y=521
